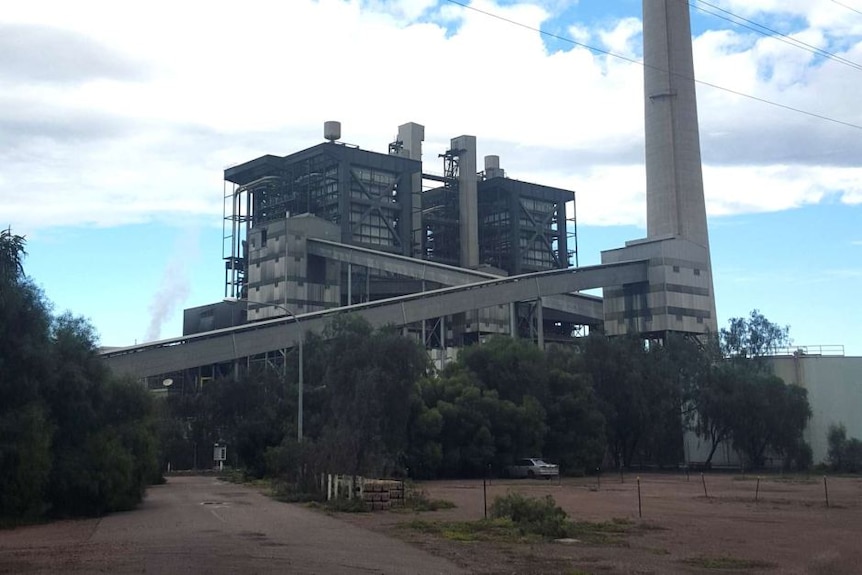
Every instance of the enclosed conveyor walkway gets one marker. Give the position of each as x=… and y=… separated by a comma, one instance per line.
x=220, y=346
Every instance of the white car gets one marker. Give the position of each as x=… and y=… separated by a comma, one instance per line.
x=532, y=468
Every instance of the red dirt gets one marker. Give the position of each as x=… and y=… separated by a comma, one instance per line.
x=789, y=530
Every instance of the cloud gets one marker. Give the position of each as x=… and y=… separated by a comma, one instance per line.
x=34, y=53
x=145, y=113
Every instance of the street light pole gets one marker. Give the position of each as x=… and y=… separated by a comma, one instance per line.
x=299, y=409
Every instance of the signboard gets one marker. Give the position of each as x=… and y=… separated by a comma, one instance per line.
x=220, y=454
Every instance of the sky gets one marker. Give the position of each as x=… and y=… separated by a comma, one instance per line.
x=117, y=120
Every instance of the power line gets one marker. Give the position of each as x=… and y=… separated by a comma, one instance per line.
x=848, y=7
x=643, y=64
x=769, y=32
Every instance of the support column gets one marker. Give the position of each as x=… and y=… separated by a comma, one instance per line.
x=424, y=336
x=443, y=334
x=465, y=147
x=540, y=324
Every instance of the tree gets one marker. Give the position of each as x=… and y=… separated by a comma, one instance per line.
x=370, y=385
x=514, y=368
x=25, y=432
x=104, y=449
x=770, y=416
x=637, y=396
x=73, y=441
x=718, y=401
x=844, y=455
x=12, y=254
x=576, y=427
x=753, y=338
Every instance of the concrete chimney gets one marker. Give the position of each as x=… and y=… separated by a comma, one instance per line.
x=675, y=203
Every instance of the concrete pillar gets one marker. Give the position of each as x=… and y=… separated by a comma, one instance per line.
x=411, y=135
x=424, y=335
x=349, y=284
x=540, y=324
x=467, y=200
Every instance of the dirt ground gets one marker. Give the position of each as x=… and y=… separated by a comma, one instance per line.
x=789, y=529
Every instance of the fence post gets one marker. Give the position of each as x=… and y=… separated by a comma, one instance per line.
x=485, y=495
x=826, y=491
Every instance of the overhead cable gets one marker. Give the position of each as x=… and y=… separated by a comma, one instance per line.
x=641, y=63
x=846, y=6
x=769, y=32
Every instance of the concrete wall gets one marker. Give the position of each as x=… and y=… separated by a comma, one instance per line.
x=278, y=268
x=678, y=296
x=834, y=387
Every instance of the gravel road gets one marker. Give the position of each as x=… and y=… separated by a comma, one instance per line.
x=202, y=525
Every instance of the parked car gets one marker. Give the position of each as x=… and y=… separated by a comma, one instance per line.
x=533, y=467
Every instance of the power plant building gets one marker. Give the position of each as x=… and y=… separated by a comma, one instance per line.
x=285, y=217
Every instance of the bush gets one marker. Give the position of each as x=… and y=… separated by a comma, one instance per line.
x=532, y=515
x=844, y=455
x=289, y=492
x=418, y=500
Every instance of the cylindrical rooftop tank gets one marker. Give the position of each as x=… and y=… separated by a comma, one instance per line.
x=332, y=130
x=492, y=162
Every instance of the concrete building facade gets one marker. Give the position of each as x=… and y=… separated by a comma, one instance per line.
x=679, y=295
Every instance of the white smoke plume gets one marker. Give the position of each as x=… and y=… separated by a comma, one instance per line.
x=175, y=285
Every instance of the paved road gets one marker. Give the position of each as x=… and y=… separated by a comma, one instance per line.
x=201, y=525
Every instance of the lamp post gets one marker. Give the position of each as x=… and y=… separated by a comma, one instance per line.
x=299, y=410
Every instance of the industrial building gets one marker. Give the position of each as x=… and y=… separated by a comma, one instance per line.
x=315, y=230
x=455, y=255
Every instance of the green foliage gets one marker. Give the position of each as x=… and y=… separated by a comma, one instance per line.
x=342, y=505
x=640, y=397
x=502, y=401
x=370, y=391
x=494, y=530
x=417, y=500
x=753, y=338
x=844, y=455
x=12, y=254
x=504, y=530
x=532, y=515
x=576, y=438
x=771, y=416
x=25, y=460
x=73, y=441
x=739, y=400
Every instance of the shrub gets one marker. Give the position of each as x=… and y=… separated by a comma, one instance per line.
x=844, y=455
x=532, y=515
x=418, y=500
